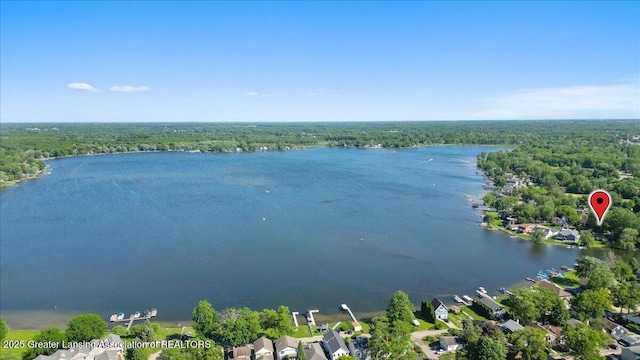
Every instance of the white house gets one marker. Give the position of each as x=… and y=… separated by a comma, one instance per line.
x=334, y=345
x=287, y=346
x=440, y=309
x=263, y=349
x=451, y=343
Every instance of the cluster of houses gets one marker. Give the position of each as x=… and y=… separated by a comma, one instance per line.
x=564, y=234
x=331, y=347
x=109, y=348
x=553, y=334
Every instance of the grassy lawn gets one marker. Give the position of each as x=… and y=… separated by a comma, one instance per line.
x=472, y=313
x=164, y=333
x=456, y=319
x=302, y=331
x=18, y=335
x=447, y=356
x=423, y=325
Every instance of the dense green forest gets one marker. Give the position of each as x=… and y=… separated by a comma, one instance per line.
x=594, y=145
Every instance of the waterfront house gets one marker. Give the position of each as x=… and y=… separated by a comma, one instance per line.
x=240, y=353
x=546, y=231
x=440, y=309
x=493, y=308
x=510, y=326
x=287, y=346
x=334, y=345
x=559, y=291
x=263, y=349
x=451, y=343
x=568, y=235
x=314, y=352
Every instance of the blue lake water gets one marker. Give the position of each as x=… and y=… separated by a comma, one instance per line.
x=308, y=229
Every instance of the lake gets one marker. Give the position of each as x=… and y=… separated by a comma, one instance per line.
x=309, y=229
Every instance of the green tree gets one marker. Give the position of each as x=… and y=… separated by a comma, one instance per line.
x=136, y=354
x=635, y=265
x=591, y=304
x=601, y=278
x=626, y=295
x=144, y=332
x=241, y=326
x=301, y=354
x=4, y=329
x=120, y=330
x=586, y=265
x=86, y=327
x=531, y=342
x=628, y=239
x=623, y=271
x=427, y=311
x=52, y=335
x=206, y=321
x=400, y=308
x=487, y=348
x=586, y=238
x=583, y=342
x=537, y=236
x=386, y=341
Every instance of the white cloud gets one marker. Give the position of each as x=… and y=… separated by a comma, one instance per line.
x=588, y=101
x=252, y=93
x=127, y=88
x=81, y=86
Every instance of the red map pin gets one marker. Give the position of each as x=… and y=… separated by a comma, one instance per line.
x=600, y=202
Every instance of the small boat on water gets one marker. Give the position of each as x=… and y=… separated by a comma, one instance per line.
x=481, y=289
x=480, y=294
x=457, y=299
x=542, y=273
x=530, y=279
x=467, y=298
x=503, y=290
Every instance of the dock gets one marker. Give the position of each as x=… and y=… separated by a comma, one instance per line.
x=355, y=323
x=119, y=317
x=310, y=319
x=295, y=314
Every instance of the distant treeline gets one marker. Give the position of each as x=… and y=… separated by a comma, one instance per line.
x=593, y=144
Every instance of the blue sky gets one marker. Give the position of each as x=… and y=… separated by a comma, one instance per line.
x=318, y=61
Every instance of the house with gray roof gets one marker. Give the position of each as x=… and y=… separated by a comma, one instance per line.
x=263, y=349
x=93, y=350
x=494, y=308
x=334, y=345
x=287, y=346
x=314, y=352
x=451, y=343
x=628, y=340
x=440, y=309
x=510, y=326
x=567, y=235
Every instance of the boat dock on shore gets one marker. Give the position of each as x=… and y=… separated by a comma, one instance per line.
x=119, y=317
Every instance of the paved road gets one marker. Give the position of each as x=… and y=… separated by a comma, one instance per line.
x=417, y=338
